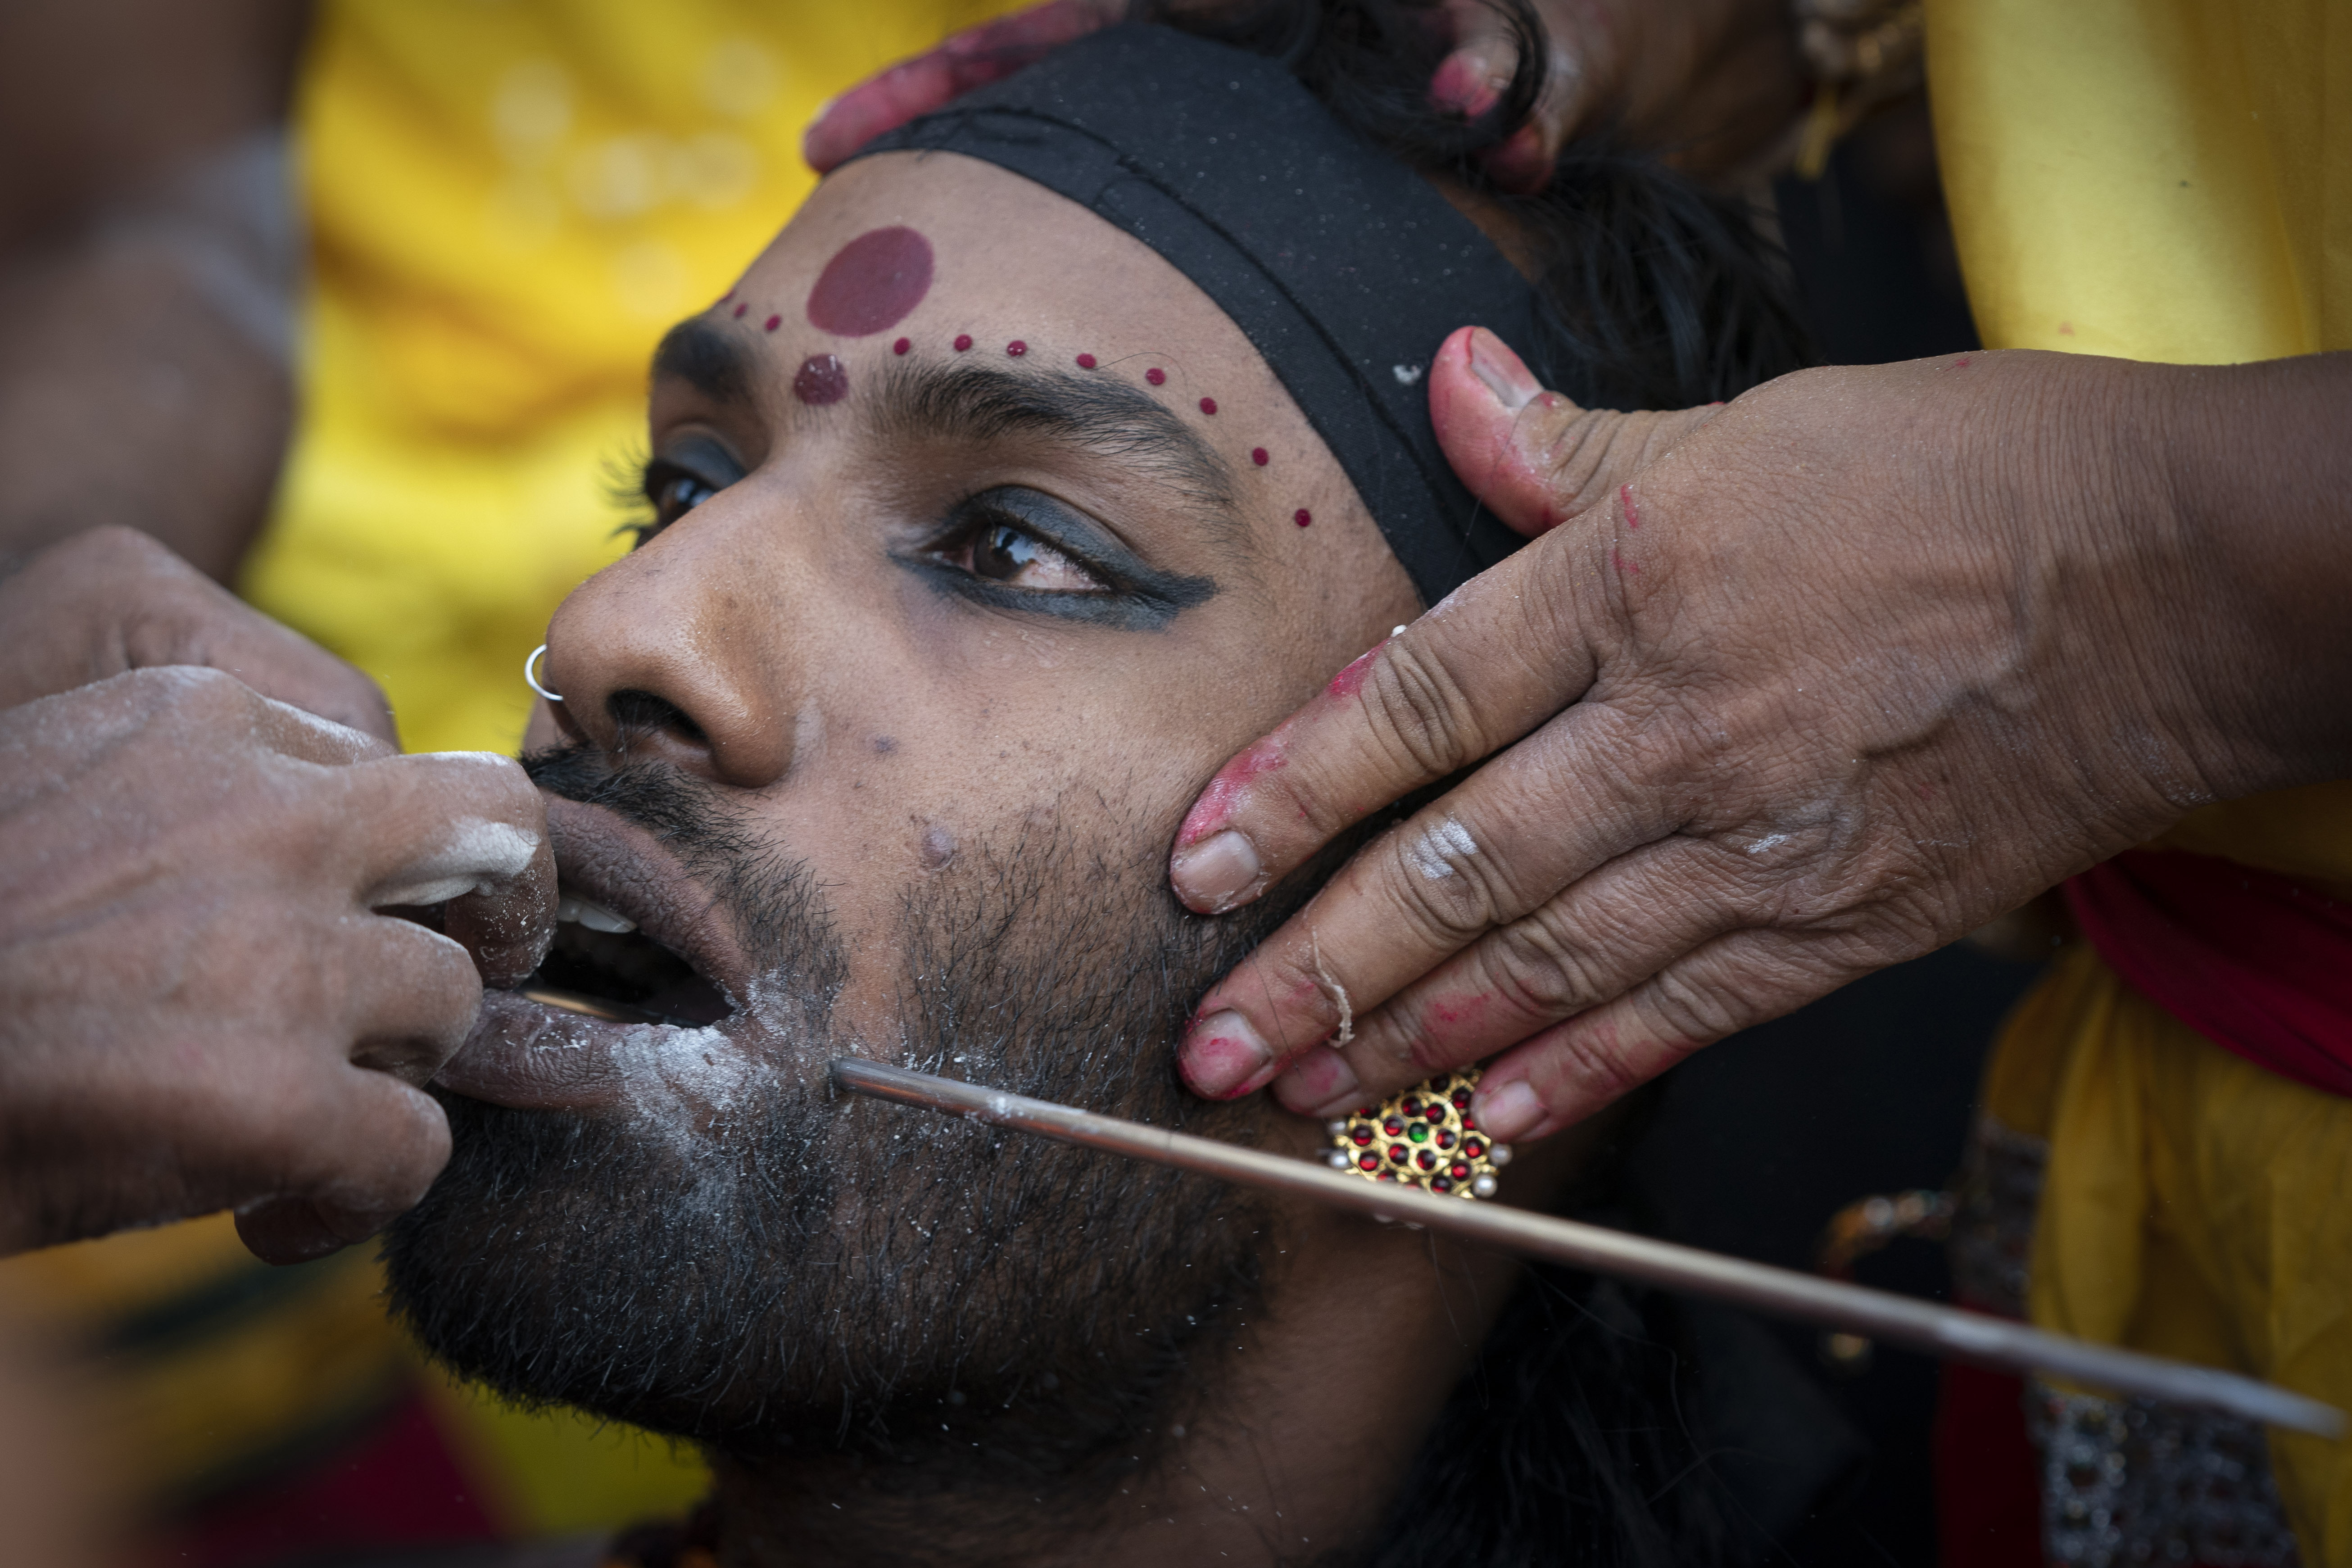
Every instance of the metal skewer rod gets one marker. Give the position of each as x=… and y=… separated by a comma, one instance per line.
x=1926, y=1326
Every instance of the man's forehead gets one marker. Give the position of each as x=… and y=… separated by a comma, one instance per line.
x=936, y=248
x=976, y=401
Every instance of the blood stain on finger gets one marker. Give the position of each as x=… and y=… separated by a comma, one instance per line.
x=872, y=282
x=1351, y=680
x=1224, y=791
x=1630, y=568
x=1462, y=1011
x=1632, y=512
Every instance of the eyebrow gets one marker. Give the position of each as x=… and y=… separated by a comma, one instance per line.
x=713, y=362
x=978, y=403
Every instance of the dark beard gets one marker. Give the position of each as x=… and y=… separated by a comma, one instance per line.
x=804, y=1269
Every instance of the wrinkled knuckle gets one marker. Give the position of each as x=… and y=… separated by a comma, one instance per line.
x=1539, y=969
x=1419, y=711
x=1444, y=910
x=1595, y=1066
x=1694, y=1009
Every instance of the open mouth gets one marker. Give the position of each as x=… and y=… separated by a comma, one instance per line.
x=601, y=964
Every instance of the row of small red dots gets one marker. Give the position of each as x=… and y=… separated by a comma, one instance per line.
x=1016, y=347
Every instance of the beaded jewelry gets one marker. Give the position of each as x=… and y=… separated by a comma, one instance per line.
x=1422, y=1138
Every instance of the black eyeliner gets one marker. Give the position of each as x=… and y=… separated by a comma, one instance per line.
x=1139, y=596
x=697, y=458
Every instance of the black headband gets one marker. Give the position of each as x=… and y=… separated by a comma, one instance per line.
x=1345, y=268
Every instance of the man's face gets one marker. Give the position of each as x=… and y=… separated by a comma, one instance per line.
x=881, y=738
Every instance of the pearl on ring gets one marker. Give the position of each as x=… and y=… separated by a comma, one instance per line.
x=531, y=677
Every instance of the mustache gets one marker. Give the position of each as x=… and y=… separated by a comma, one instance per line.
x=776, y=900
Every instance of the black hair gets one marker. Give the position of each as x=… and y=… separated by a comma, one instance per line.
x=1578, y=1436
x=1653, y=291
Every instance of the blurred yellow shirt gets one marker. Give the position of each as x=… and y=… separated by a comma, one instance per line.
x=2171, y=180
x=509, y=201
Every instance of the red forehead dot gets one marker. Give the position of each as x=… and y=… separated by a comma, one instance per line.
x=1155, y=375
x=901, y=346
x=742, y=308
x=872, y=282
x=822, y=380
x=772, y=323
x=963, y=342
x=1302, y=517
x=1208, y=406
x=1016, y=347
x=1258, y=456
x=1086, y=362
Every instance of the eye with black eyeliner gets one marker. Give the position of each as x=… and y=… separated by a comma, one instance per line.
x=1019, y=549
x=681, y=476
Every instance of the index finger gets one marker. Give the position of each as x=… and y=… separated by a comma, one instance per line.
x=468, y=829
x=1497, y=657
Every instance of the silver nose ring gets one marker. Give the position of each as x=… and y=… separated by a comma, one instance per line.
x=530, y=674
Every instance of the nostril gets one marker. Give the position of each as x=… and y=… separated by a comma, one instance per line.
x=640, y=715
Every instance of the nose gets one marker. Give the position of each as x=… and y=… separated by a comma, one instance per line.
x=677, y=652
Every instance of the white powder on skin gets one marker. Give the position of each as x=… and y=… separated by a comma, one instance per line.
x=1434, y=853
x=477, y=853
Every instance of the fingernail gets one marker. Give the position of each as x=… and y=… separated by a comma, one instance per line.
x=1510, y=1111
x=1501, y=371
x=1221, y=1053
x=1217, y=873
x=1315, y=1080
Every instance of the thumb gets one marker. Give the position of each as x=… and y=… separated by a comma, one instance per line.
x=1532, y=457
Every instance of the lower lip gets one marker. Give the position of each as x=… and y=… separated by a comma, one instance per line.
x=531, y=1057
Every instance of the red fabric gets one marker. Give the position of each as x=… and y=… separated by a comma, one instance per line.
x=1988, y=1480
x=2256, y=962
x=395, y=1484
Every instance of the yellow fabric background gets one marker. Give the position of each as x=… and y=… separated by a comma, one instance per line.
x=2171, y=180
x=510, y=200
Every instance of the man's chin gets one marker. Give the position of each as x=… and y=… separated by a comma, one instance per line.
x=754, y=1281
x=619, y=1264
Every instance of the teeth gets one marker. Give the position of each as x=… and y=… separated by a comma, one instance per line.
x=572, y=907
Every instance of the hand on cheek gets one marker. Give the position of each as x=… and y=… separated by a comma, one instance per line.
x=1726, y=731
